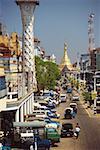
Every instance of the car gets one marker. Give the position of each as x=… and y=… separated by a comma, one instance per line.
x=75, y=97
x=49, y=120
x=53, y=101
x=51, y=105
x=68, y=114
x=63, y=98
x=69, y=90
x=74, y=106
x=47, y=109
x=67, y=130
x=39, y=114
x=52, y=115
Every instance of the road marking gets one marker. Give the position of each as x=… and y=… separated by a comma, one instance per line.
x=86, y=109
x=91, y=115
x=88, y=113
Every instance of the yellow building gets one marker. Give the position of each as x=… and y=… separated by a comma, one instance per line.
x=1, y=67
x=11, y=42
x=11, y=56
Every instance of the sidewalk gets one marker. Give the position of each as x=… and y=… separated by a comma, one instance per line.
x=89, y=110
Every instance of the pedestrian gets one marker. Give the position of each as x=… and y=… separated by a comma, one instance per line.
x=77, y=131
x=74, y=114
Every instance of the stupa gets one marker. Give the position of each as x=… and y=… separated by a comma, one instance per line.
x=65, y=62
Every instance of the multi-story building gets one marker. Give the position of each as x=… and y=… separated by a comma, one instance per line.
x=95, y=59
x=3, y=91
x=11, y=57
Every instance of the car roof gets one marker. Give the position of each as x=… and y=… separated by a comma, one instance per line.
x=68, y=108
x=73, y=104
x=67, y=124
x=76, y=94
x=62, y=94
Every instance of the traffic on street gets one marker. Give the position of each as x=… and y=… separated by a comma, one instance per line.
x=49, y=75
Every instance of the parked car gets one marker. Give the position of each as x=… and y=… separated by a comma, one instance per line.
x=74, y=106
x=63, y=98
x=46, y=108
x=54, y=101
x=51, y=105
x=67, y=130
x=39, y=114
x=52, y=115
x=68, y=114
x=49, y=120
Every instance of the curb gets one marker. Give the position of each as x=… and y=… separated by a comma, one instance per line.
x=89, y=112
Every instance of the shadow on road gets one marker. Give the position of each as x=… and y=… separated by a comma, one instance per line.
x=55, y=145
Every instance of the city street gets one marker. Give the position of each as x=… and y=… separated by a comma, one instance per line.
x=89, y=137
x=49, y=58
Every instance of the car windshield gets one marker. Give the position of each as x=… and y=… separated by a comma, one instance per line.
x=68, y=111
x=73, y=106
x=51, y=130
x=63, y=96
x=75, y=95
x=67, y=126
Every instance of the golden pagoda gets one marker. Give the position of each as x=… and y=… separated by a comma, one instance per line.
x=65, y=60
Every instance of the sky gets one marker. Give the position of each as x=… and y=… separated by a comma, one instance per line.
x=56, y=22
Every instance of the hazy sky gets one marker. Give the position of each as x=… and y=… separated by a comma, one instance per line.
x=56, y=22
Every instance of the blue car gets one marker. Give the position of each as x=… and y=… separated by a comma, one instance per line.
x=48, y=120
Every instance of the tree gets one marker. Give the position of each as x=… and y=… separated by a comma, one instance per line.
x=46, y=74
x=87, y=97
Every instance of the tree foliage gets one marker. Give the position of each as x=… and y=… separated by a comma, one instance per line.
x=46, y=74
x=87, y=97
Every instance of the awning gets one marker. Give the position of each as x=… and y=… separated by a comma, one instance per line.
x=33, y=124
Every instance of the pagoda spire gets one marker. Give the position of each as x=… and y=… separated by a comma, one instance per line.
x=65, y=60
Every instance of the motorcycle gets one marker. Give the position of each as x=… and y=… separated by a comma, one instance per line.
x=77, y=132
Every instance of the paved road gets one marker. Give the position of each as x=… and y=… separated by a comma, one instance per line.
x=89, y=138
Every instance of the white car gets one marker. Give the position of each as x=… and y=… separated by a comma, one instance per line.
x=39, y=113
x=74, y=106
x=75, y=97
x=63, y=97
